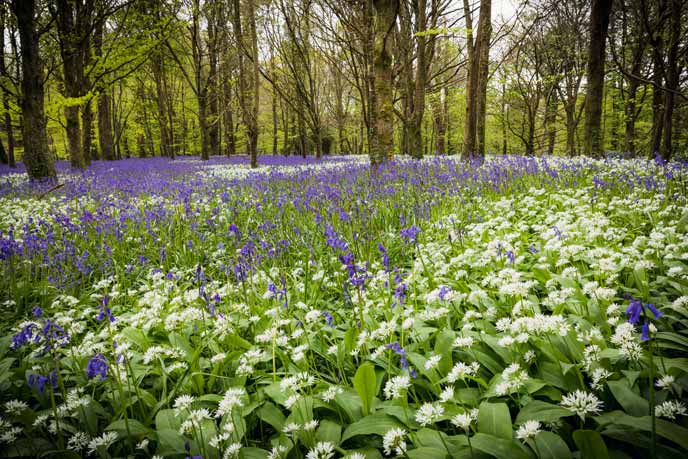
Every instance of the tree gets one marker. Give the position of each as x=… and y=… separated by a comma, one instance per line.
x=599, y=24
x=37, y=158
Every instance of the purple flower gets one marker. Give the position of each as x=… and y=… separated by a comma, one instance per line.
x=646, y=331
x=654, y=310
x=328, y=318
x=510, y=256
x=97, y=366
x=37, y=312
x=410, y=234
x=634, y=310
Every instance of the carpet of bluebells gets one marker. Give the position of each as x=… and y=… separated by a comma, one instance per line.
x=519, y=308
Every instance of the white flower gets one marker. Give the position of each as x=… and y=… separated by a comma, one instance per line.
x=394, y=441
x=429, y=413
x=355, y=456
x=311, y=425
x=461, y=370
x=432, y=362
x=10, y=435
x=78, y=441
x=277, y=452
x=183, y=402
x=582, y=403
x=331, y=393
x=670, y=409
x=15, y=407
x=528, y=429
x=322, y=450
x=104, y=441
x=231, y=399
x=396, y=386
x=463, y=341
x=665, y=382
x=447, y=394
x=232, y=451
x=464, y=420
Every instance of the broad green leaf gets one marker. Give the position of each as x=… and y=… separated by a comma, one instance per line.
x=590, y=444
x=329, y=431
x=129, y=426
x=632, y=402
x=427, y=452
x=248, y=452
x=165, y=419
x=494, y=419
x=665, y=429
x=551, y=446
x=365, y=383
x=498, y=447
x=272, y=415
x=170, y=441
x=541, y=411
x=377, y=424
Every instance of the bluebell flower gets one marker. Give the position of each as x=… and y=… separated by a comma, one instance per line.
x=646, y=331
x=97, y=366
x=37, y=312
x=634, y=310
x=411, y=233
x=328, y=318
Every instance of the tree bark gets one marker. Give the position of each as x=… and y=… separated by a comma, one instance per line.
x=599, y=24
x=469, y=129
x=416, y=125
x=382, y=147
x=483, y=56
x=10, y=160
x=37, y=158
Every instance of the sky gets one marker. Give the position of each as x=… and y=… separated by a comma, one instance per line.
x=505, y=8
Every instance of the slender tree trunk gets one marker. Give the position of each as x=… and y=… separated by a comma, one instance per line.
x=672, y=77
x=599, y=24
x=630, y=116
x=416, y=128
x=105, y=137
x=469, y=146
x=382, y=149
x=657, y=99
x=37, y=158
x=87, y=134
x=9, y=130
x=551, y=119
x=483, y=56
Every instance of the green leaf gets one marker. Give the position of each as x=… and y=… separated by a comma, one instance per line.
x=377, y=424
x=497, y=447
x=272, y=415
x=590, y=444
x=541, y=411
x=132, y=426
x=632, y=402
x=365, y=384
x=248, y=452
x=551, y=446
x=494, y=419
x=165, y=419
x=169, y=442
x=665, y=429
x=329, y=431
x=427, y=452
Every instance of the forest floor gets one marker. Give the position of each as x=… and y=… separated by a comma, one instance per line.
x=528, y=307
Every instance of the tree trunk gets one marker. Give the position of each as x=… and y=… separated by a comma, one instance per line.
x=90, y=153
x=672, y=77
x=599, y=24
x=482, y=53
x=416, y=128
x=469, y=146
x=105, y=137
x=10, y=160
x=73, y=25
x=37, y=158
x=382, y=148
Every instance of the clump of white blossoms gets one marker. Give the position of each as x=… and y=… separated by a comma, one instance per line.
x=582, y=403
x=670, y=409
x=393, y=441
x=512, y=380
x=461, y=370
x=231, y=399
x=104, y=441
x=429, y=413
x=464, y=420
x=528, y=430
x=396, y=387
x=322, y=450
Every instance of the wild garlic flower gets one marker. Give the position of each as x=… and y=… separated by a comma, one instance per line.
x=393, y=441
x=528, y=430
x=582, y=403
